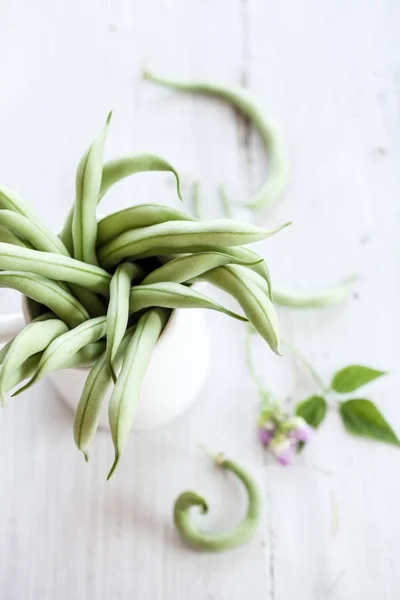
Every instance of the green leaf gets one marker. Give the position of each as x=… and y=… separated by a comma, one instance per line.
x=313, y=410
x=361, y=417
x=353, y=377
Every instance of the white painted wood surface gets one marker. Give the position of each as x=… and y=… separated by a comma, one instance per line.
x=330, y=72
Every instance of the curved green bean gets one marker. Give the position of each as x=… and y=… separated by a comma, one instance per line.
x=116, y=170
x=88, y=182
x=34, y=234
x=245, y=254
x=7, y=346
x=8, y=237
x=86, y=356
x=125, y=396
x=251, y=107
x=174, y=295
x=10, y=200
x=319, y=299
x=66, y=345
x=87, y=415
x=184, y=268
x=54, y=266
x=292, y=299
x=46, y=292
x=209, y=542
x=34, y=338
x=256, y=304
x=95, y=306
x=118, y=310
x=179, y=236
x=142, y=215
x=83, y=358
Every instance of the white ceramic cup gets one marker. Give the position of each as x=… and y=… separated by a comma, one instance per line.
x=177, y=371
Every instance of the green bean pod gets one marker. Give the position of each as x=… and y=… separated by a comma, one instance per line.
x=10, y=200
x=142, y=215
x=125, y=396
x=292, y=299
x=178, y=236
x=116, y=170
x=209, y=542
x=87, y=415
x=185, y=268
x=8, y=237
x=54, y=266
x=46, y=292
x=34, y=338
x=88, y=182
x=65, y=346
x=248, y=256
x=174, y=295
x=118, y=310
x=35, y=235
x=323, y=298
x=255, y=303
x=83, y=358
x=95, y=306
x=272, y=190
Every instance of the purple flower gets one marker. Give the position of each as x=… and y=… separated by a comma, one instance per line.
x=284, y=451
x=301, y=431
x=266, y=433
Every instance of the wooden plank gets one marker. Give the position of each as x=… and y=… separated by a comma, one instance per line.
x=329, y=72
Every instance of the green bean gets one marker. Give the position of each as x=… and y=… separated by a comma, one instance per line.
x=33, y=233
x=114, y=171
x=118, y=310
x=88, y=182
x=22, y=371
x=4, y=350
x=54, y=266
x=178, y=236
x=8, y=237
x=173, y=295
x=255, y=303
x=209, y=542
x=34, y=338
x=245, y=254
x=66, y=345
x=46, y=292
x=10, y=200
x=125, y=395
x=225, y=201
x=83, y=358
x=197, y=203
x=251, y=108
x=7, y=346
x=254, y=277
x=88, y=411
x=318, y=299
x=142, y=215
x=185, y=268
x=95, y=306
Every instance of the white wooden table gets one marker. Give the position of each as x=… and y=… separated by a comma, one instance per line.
x=330, y=73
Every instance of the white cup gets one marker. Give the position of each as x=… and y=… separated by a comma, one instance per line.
x=177, y=371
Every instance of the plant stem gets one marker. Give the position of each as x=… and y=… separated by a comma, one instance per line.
x=250, y=362
x=308, y=366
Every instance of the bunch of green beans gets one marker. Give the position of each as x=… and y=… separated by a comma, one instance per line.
x=102, y=291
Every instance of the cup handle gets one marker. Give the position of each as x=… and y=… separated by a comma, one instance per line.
x=10, y=325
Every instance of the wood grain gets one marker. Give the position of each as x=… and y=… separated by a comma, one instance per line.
x=330, y=73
